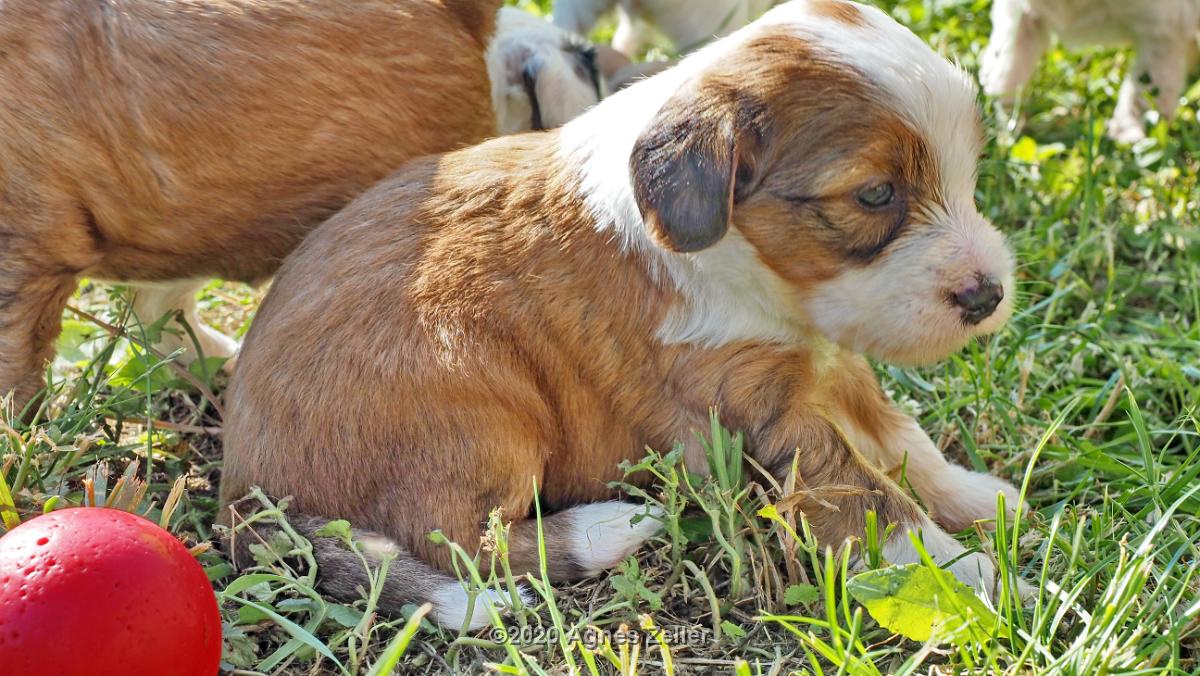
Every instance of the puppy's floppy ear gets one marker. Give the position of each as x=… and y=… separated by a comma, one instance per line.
x=691, y=163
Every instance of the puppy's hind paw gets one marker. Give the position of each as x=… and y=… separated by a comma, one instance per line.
x=604, y=533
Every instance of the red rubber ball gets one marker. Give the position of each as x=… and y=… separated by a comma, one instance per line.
x=95, y=591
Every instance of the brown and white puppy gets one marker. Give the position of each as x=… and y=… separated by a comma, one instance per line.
x=736, y=232
x=1164, y=32
x=153, y=142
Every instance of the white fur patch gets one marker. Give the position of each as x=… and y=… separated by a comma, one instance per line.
x=450, y=602
x=1107, y=22
x=603, y=533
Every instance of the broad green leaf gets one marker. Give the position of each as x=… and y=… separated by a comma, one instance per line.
x=919, y=602
x=345, y=615
x=696, y=528
x=339, y=528
x=731, y=629
x=205, y=369
x=141, y=373
x=800, y=594
x=218, y=571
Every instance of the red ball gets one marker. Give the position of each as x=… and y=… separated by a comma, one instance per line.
x=94, y=591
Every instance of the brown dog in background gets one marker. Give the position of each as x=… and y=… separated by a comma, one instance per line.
x=735, y=232
x=153, y=142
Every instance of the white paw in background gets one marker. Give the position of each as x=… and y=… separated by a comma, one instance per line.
x=603, y=533
x=1126, y=127
x=216, y=344
x=995, y=72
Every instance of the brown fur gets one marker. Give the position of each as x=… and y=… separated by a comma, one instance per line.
x=144, y=140
x=463, y=333
x=845, y=12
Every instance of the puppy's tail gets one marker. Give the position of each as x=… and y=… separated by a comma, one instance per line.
x=342, y=574
x=578, y=542
x=477, y=16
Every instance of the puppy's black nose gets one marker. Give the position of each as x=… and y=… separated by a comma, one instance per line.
x=980, y=301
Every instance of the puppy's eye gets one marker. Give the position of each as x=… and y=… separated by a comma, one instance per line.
x=876, y=196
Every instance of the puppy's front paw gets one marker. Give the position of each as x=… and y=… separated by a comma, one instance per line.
x=965, y=497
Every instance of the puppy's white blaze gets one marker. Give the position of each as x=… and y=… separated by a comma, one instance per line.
x=974, y=570
x=729, y=300
x=603, y=533
x=450, y=602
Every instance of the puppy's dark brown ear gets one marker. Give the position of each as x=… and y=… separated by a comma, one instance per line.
x=689, y=164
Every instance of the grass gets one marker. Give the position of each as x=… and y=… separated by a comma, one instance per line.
x=1087, y=400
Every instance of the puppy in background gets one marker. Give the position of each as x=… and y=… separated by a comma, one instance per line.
x=1164, y=33
x=169, y=143
x=737, y=231
x=688, y=24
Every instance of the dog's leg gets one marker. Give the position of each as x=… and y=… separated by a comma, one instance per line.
x=152, y=301
x=31, y=307
x=895, y=443
x=836, y=486
x=1018, y=41
x=956, y=496
x=1160, y=69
